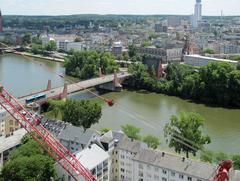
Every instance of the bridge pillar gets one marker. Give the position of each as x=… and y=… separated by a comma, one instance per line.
x=65, y=92
x=116, y=82
x=49, y=85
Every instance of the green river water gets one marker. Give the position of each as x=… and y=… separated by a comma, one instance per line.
x=149, y=111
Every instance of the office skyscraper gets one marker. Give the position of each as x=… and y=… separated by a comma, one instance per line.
x=1, y=24
x=197, y=17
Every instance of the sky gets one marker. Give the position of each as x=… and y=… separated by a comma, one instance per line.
x=68, y=7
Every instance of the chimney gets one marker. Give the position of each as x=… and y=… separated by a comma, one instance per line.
x=183, y=159
x=163, y=154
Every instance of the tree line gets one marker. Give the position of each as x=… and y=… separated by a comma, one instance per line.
x=86, y=64
x=216, y=83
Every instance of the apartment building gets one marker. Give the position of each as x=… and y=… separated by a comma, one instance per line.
x=72, y=137
x=122, y=159
x=7, y=123
x=93, y=158
x=197, y=60
x=154, y=165
x=9, y=144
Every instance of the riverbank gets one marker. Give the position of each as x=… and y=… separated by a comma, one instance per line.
x=39, y=56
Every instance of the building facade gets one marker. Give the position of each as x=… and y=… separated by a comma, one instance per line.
x=153, y=165
x=7, y=123
x=93, y=158
x=9, y=144
x=197, y=60
x=72, y=137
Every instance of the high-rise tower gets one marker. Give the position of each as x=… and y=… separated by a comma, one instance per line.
x=197, y=17
x=1, y=24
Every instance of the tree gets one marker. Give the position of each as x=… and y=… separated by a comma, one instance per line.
x=152, y=141
x=37, y=49
x=86, y=64
x=220, y=156
x=90, y=113
x=208, y=51
x=27, y=38
x=214, y=79
x=132, y=50
x=105, y=130
x=234, y=87
x=29, y=162
x=207, y=156
x=185, y=133
x=56, y=107
x=37, y=40
x=236, y=160
x=81, y=113
x=51, y=46
x=237, y=58
x=131, y=131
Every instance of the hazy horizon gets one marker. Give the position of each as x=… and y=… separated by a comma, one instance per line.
x=123, y=7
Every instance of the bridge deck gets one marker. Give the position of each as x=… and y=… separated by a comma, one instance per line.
x=55, y=92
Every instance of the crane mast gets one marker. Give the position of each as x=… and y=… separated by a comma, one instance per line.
x=223, y=171
x=40, y=134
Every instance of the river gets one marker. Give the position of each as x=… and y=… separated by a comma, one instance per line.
x=149, y=111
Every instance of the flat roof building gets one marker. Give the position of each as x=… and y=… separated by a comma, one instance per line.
x=198, y=60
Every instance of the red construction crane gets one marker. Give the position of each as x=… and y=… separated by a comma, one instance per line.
x=32, y=125
x=223, y=171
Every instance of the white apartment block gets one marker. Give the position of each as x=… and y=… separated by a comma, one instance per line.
x=153, y=165
x=92, y=158
x=8, y=144
x=122, y=159
x=76, y=46
x=197, y=60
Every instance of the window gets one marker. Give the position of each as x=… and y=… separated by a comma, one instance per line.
x=122, y=163
x=149, y=167
x=189, y=178
x=122, y=170
x=69, y=178
x=140, y=174
x=156, y=169
x=164, y=179
x=122, y=177
x=172, y=174
x=181, y=176
x=140, y=179
x=149, y=175
x=122, y=156
x=164, y=171
x=156, y=177
x=93, y=171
